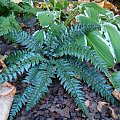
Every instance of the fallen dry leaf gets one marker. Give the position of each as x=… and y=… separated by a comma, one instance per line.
x=36, y=4
x=7, y=92
x=108, y=5
x=111, y=111
x=116, y=94
x=6, y=89
x=2, y=66
x=100, y=105
x=2, y=57
x=63, y=112
x=87, y=102
x=85, y=1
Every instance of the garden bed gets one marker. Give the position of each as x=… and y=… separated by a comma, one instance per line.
x=57, y=57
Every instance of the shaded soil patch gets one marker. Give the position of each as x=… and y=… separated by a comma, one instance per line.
x=57, y=105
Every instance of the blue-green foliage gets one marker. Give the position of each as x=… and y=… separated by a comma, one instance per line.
x=42, y=62
x=71, y=84
x=93, y=78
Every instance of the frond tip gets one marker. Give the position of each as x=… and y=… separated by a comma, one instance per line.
x=72, y=85
x=94, y=79
x=22, y=64
x=19, y=101
x=40, y=87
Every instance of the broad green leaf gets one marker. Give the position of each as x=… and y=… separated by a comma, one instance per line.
x=101, y=48
x=113, y=35
x=116, y=80
x=28, y=1
x=85, y=20
x=46, y=18
x=92, y=14
x=62, y=4
x=7, y=24
x=95, y=6
x=117, y=19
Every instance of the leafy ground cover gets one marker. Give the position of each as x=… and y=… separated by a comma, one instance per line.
x=49, y=20
x=58, y=105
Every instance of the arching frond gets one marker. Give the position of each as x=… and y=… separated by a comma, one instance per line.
x=84, y=53
x=24, y=63
x=94, y=79
x=72, y=85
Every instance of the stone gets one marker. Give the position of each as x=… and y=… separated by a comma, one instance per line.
x=73, y=114
x=43, y=106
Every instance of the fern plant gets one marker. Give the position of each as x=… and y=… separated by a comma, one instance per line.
x=51, y=55
x=12, y=13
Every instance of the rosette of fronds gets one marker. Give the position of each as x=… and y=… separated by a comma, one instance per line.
x=51, y=55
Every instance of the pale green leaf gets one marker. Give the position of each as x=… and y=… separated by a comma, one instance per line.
x=114, y=37
x=45, y=18
x=99, y=45
x=92, y=14
x=39, y=36
x=85, y=20
x=95, y=6
x=117, y=19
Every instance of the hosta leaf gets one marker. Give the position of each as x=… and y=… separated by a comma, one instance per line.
x=85, y=20
x=95, y=6
x=116, y=80
x=92, y=13
x=117, y=19
x=103, y=50
x=113, y=35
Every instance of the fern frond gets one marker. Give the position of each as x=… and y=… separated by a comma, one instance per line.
x=25, y=39
x=38, y=79
x=31, y=75
x=15, y=56
x=19, y=67
x=66, y=37
x=40, y=87
x=72, y=85
x=85, y=53
x=19, y=101
x=94, y=79
x=7, y=24
x=75, y=31
x=4, y=2
x=17, y=8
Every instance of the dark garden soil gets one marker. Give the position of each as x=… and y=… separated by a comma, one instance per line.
x=57, y=104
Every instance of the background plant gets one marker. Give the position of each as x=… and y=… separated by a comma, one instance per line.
x=104, y=41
